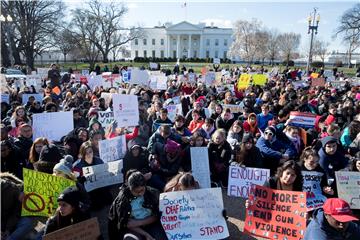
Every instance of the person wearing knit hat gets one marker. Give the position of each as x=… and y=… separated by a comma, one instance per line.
x=63, y=168
x=333, y=221
x=49, y=157
x=70, y=210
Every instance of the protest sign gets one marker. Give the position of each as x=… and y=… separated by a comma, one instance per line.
x=192, y=77
x=52, y=126
x=107, y=98
x=173, y=110
x=318, y=82
x=107, y=80
x=200, y=166
x=338, y=84
x=302, y=119
x=85, y=72
x=86, y=230
x=43, y=72
x=38, y=97
x=194, y=214
x=153, y=65
x=314, y=197
x=95, y=81
x=216, y=61
x=140, y=77
x=276, y=214
x=41, y=191
x=203, y=71
x=5, y=98
x=348, y=187
x=125, y=76
x=105, y=118
x=241, y=179
x=158, y=82
x=259, y=79
x=210, y=78
x=243, y=81
x=218, y=78
x=103, y=175
x=126, y=110
x=112, y=149
x=233, y=107
x=314, y=75
x=33, y=80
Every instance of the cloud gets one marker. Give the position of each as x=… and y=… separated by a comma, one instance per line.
x=218, y=22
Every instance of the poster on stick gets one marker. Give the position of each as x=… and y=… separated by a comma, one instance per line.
x=276, y=214
x=241, y=179
x=112, y=149
x=126, y=110
x=41, y=191
x=302, y=119
x=200, y=166
x=348, y=186
x=86, y=230
x=193, y=214
x=314, y=197
x=103, y=175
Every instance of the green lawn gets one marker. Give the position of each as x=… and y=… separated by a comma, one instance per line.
x=196, y=66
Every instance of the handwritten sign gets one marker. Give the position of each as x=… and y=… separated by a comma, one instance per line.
x=259, y=79
x=276, y=214
x=86, y=230
x=103, y=175
x=242, y=179
x=192, y=77
x=126, y=110
x=44, y=125
x=314, y=75
x=43, y=72
x=318, y=82
x=95, y=81
x=173, y=110
x=153, y=65
x=105, y=118
x=112, y=149
x=140, y=77
x=200, y=166
x=210, y=78
x=243, y=81
x=302, y=119
x=158, y=82
x=348, y=186
x=233, y=108
x=194, y=214
x=38, y=97
x=41, y=191
x=314, y=197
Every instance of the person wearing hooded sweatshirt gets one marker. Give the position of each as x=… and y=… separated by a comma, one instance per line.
x=95, y=125
x=331, y=159
x=273, y=150
x=333, y=221
x=250, y=125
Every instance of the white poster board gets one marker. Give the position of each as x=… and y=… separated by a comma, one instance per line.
x=103, y=175
x=348, y=187
x=112, y=149
x=140, y=77
x=126, y=110
x=52, y=126
x=200, y=166
x=5, y=98
x=173, y=110
x=38, y=97
x=210, y=78
x=158, y=82
x=242, y=178
x=95, y=81
x=105, y=118
x=311, y=185
x=194, y=214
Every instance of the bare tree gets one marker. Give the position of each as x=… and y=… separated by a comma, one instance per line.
x=272, y=45
x=261, y=40
x=64, y=41
x=288, y=44
x=353, y=42
x=320, y=49
x=244, y=44
x=35, y=23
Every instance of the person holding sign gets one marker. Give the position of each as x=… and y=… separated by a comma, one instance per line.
x=134, y=214
x=333, y=221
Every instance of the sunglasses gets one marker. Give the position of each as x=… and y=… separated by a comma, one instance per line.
x=269, y=133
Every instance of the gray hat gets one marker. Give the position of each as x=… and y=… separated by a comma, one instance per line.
x=65, y=166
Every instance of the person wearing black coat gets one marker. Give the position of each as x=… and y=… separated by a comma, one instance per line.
x=225, y=120
x=248, y=155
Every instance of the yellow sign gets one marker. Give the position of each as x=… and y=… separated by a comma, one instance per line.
x=41, y=192
x=259, y=79
x=244, y=81
x=314, y=75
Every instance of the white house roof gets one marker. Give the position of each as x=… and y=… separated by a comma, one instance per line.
x=184, y=25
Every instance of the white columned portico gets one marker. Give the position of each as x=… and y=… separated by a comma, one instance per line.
x=201, y=46
x=189, y=50
x=178, y=46
x=168, y=44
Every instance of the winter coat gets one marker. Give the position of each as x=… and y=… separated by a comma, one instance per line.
x=225, y=124
x=139, y=163
x=262, y=120
x=219, y=156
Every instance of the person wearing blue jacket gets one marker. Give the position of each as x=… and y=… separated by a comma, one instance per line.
x=333, y=221
x=273, y=150
x=264, y=117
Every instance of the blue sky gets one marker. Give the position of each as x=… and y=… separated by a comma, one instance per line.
x=286, y=16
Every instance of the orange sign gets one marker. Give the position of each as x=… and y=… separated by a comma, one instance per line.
x=56, y=90
x=276, y=214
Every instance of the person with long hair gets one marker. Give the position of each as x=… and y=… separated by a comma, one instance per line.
x=35, y=150
x=19, y=113
x=181, y=182
x=248, y=154
x=235, y=134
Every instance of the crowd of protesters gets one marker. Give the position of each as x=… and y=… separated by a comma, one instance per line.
x=158, y=155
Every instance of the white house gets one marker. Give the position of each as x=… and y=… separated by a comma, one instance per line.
x=183, y=40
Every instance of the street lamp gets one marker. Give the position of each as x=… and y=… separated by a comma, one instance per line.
x=313, y=21
x=6, y=21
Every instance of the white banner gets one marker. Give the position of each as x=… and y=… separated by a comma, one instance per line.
x=200, y=166
x=126, y=110
x=52, y=126
x=241, y=179
x=194, y=214
x=103, y=175
x=112, y=149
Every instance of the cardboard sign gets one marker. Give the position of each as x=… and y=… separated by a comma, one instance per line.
x=140, y=77
x=33, y=80
x=242, y=179
x=48, y=125
x=126, y=110
x=105, y=118
x=243, y=81
x=200, y=166
x=95, y=81
x=112, y=149
x=125, y=76
x=276, y=214
x=86, y=230
x=194, y=214
x=233, y=108
x=41, y=191
x=38, y=97
x=348, y=187
x=173, y=110
x=5, y=98
x=103, y=175
x=259, y=79
x=314, y=197
x=318, y=82
x=302, y=119
x=210, y=78
x=158, y=82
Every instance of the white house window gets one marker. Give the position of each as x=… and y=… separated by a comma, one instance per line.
x=216, y=54
x=174, y=54
x=216, y=42
x=136, y=53
x=207, y=42
x=145, y=54
x=207, y=54
x=225, y=55
x=136, y=41
x=195, y=54
x=225, y=42
x=162, y=53
x=162, y=41
x=153, y=53
x=144, y=41
x=153, y=41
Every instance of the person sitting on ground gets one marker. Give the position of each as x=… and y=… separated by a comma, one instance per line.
x=183, y=181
